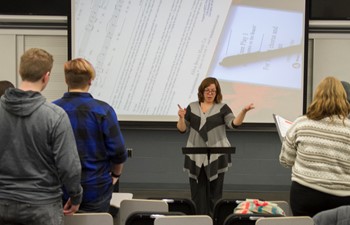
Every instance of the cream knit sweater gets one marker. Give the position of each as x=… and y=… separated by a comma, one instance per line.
x=319, y=154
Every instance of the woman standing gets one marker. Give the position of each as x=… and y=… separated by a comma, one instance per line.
x=206, y=120
x=317, y=148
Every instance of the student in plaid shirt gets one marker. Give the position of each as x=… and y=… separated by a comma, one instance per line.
x=99, y=140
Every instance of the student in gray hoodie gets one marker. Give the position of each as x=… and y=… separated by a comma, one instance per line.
x=37, y=152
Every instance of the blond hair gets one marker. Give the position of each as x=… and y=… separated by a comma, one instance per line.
x=78, y=73
x=329, y=100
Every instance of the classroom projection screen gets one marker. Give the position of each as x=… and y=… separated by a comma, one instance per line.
x=151, y=55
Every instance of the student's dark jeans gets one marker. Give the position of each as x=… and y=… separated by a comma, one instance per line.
x=306, y=201
x=16, y=213
x=101, y=204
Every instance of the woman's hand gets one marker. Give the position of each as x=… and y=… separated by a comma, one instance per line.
x=248, y=107
x=181, y=112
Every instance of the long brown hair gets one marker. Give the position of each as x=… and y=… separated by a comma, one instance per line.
x=329, y=100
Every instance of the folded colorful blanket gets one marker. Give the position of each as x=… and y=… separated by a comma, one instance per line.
x=251, y=206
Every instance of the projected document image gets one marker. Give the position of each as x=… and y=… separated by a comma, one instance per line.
x=261, y=46
x=152, y=55
x=149, y=55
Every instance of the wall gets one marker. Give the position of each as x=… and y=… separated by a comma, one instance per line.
x=8, y=57
x=14, y=42
x=331, y=56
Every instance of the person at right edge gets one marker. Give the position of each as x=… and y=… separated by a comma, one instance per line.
x=346, y=86
x=97, y=132
x=341, y=214
x=317, y=148
x=206, y=120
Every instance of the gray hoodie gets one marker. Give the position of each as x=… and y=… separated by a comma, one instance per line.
x=37, y=152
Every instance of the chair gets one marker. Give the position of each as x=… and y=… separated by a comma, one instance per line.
x=88, y=219
x=184, y=220
x=285, y=206
x=185, y=205
x=129, y=206
x=246, y=219
x=224, y=208
x=147, y=218
x=289, y=220
x=117, y=197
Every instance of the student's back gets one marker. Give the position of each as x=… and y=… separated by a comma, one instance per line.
x=99, y=140
x=38, y=153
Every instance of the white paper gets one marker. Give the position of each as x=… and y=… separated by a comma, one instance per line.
x=282, y=125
